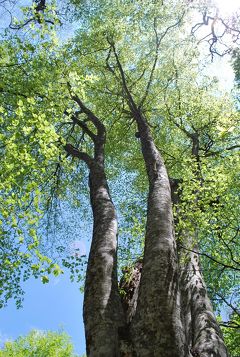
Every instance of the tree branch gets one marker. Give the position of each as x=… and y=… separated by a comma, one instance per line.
x=84, y=127
x=158, y=43
x=211, y=258
x=130, y=100
x=229, y=324
x=229, y=304
x=74, y=152
x=101, y=131
x=214, y=37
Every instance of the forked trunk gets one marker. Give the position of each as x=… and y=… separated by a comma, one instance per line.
x=156, y=327
x=172, y=314
x=167, y=314
x=203, y=337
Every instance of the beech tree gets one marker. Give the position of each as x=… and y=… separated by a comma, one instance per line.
x=128, y=89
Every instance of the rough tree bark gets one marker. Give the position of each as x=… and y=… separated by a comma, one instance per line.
x=203, y=334
x=157, y=311
x=202, y=331
x=167, y=311
x=102, y=311
x=156, y=328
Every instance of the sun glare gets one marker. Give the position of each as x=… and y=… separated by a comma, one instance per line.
x=228, y=7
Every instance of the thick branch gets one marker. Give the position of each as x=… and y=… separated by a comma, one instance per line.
x=230, y=324
x=101, y=131
x=130, y=100
x=74, y=152
x=215, y=153
x=84, y=127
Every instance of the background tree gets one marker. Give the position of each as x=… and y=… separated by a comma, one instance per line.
x=38, y=343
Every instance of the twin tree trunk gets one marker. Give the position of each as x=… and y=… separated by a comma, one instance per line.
x=166, y=311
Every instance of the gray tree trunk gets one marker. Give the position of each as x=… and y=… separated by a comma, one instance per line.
x=203, y=337
x=156, y=326
x=102, y=307
x=102, y=310
x=202, y=331
x=167, y=314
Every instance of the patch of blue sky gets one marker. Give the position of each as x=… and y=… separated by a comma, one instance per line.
x=53, y=306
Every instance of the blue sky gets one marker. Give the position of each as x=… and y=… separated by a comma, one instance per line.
x=52, y=306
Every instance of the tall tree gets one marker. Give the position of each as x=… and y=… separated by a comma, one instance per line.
x=127, y=66
x=101, y=286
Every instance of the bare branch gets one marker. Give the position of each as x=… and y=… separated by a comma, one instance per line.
x=215, y=38
x=107, y=62
x=139, y=78
x=227, y=266
x=130, y=100
x=228, y=303
x=215, y=153
x=230, y=324
x=158, y=43
x=171, y=117
x=228, y=248
x=233, y=147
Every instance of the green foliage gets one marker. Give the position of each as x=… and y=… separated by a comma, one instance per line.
x=33, y=158
x=232, y=336
x=38, y=343
x=236, y=65
x=180, y=102
x=232, y=340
